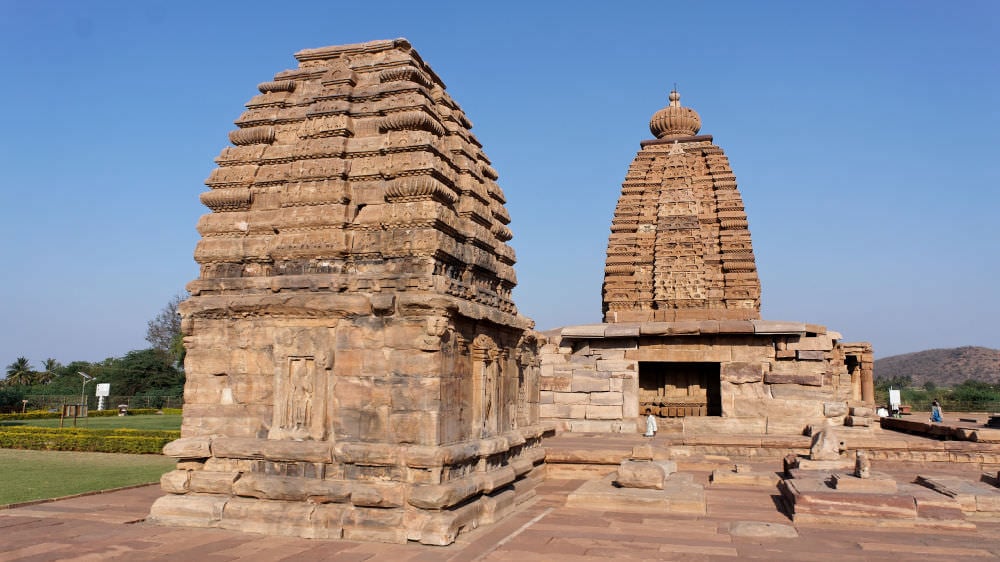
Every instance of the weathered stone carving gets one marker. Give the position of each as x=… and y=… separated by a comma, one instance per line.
x=680, y=246
x=356, y=367
x=681, y=302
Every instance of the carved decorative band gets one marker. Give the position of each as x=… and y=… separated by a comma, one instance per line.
x=500, y=213
x=404, y=74
x=733, y=224
x=738, y=266
x=252, y=135
x=489, y=172
x=418, y=188
x=620, y=269
x=223, y=200
x=410, y=121
x=502, y=232
x=276, y=86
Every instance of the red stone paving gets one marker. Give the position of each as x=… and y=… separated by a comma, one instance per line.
x=104, y=528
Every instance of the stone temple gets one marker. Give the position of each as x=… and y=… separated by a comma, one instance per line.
x=682, y=337
x=355, y=365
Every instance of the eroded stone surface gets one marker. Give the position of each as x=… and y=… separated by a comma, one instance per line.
x=354, y=356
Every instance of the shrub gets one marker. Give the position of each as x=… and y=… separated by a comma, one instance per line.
x=91, y=440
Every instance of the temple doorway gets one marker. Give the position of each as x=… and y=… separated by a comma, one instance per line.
x=673, y=390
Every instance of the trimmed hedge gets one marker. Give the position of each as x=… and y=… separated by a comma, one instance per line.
x=91, y=440
x=44, y=414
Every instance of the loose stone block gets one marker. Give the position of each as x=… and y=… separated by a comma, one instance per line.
x=644, y=473
x=189, y=448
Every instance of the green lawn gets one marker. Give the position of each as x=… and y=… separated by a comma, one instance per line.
x=33, y=475
x=164, y=421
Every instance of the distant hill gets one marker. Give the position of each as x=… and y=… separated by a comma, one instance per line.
x=945, y=367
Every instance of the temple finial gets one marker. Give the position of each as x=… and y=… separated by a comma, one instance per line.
x=674, y=120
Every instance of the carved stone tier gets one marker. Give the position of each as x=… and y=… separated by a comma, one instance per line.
x=680, y=245
x=355, y=364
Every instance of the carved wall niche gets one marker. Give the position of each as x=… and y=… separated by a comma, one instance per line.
x=301, y=383
x=486, y=373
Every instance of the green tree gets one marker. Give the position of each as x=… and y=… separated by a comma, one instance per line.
x=10, y=399
x=20, y=373
x=142, y=370
x=164, y=331
x=48, y=372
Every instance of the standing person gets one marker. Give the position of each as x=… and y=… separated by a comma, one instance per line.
x=935, y=411
x=650, y=424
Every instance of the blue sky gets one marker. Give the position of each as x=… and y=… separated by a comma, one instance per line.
x=863, y=135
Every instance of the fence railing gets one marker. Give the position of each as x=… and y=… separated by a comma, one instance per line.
x=54, y=402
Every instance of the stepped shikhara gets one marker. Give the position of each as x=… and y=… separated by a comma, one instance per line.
x=355, y=365
x=680, y=245
x=682, y=337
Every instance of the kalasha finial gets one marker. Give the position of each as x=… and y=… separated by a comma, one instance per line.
x=675, y=120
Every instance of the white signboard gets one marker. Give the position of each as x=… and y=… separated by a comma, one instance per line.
x=103, y=389
x=894, y=399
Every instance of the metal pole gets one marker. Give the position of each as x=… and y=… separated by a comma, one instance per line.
x=83, y=390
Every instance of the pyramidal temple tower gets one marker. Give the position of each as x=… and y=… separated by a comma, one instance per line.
x=355, y=365
x=682, y=337
x=680, y=244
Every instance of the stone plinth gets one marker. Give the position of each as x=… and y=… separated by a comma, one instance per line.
x=973, y=497
x=877, y=482
x=680, y=494
x=812, y=500
x=726, y=477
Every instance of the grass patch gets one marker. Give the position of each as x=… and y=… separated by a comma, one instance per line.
x=35, y=475
x=164, y=421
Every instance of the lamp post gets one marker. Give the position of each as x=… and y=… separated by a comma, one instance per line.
x=86, y=378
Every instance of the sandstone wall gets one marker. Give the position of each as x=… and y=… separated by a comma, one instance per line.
x=774, y=377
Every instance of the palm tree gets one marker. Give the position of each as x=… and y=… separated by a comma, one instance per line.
x=19, y=372
x=50, y=366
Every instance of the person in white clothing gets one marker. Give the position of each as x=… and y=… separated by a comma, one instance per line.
x=650, y=424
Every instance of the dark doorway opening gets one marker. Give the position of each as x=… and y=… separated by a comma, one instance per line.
x=674, y=390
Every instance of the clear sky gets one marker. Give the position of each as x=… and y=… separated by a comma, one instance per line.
x=863, y=134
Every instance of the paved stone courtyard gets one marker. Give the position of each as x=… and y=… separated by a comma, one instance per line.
x=110, y=526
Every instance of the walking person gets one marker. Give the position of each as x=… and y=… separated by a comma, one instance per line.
x=936, y=411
